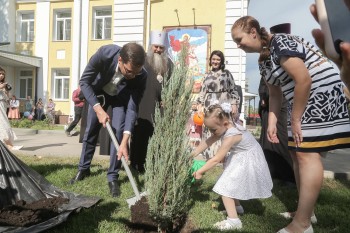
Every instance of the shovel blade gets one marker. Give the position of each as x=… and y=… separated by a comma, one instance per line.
x=131, y=201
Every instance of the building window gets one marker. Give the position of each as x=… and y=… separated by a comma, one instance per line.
x=63, y=26
x=102, y=23
x=61, y=84
x=26, y=26
x=25, y=83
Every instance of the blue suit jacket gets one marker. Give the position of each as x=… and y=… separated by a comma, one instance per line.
x=100, y=70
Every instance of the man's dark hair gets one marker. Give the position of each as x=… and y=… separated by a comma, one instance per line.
x=134, y=53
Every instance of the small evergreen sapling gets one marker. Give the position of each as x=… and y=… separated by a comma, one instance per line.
x=168, y=159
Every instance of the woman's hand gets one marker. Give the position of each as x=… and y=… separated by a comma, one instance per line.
x=272, y=133
x=197, y=175
x=296, y=132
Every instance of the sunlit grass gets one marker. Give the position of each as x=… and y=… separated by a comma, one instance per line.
x=261, y=216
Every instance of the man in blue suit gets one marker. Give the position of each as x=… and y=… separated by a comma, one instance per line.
x=113, y=77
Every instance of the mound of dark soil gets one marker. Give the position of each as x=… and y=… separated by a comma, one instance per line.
x=27, y=214
x=142, y=222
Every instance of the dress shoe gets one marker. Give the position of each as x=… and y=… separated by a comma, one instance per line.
x=80, y=176
x=114, y=188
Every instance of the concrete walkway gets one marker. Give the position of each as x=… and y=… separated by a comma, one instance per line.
x=50, y=143
x=56, y=143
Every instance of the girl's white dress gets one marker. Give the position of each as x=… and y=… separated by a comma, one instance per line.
x=246, y=174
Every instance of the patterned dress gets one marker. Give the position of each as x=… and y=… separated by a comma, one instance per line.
x=246, y=174
x=325, y=122
x=217, y=86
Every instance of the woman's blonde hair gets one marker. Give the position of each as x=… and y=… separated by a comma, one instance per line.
x=249, y=22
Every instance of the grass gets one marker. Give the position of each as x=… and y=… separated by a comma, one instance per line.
x=261, y=216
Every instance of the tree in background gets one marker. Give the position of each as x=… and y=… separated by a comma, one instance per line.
x=168, y=160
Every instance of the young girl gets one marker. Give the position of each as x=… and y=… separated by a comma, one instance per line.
x=246, y=174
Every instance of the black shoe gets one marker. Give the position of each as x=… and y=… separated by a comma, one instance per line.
x=114, y=188
x=80, y=176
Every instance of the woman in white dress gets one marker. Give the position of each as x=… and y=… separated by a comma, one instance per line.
x=246, y=174
x=7, y=136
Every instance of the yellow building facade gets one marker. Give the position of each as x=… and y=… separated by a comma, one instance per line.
x=53, y=40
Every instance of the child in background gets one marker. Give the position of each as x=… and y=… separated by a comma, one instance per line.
x=194, y=131
x=246, y=174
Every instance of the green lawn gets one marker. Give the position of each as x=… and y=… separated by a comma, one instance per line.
x=112, y=214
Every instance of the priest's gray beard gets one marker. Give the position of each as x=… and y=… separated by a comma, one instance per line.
x=159, y=63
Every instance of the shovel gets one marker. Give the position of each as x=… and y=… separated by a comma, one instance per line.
x=131, y=201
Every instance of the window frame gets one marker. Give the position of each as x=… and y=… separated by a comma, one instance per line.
x=103, y=18
x=30, y=23
x=64, y=20
x=28, y=79
x=64, y=78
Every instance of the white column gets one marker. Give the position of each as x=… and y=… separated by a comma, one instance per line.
x=42, y=36
x=84, y=37
x=76, y=50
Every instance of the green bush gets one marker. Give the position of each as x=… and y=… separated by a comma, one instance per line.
x=39, y=125
x=25, y=123
x=44, y=124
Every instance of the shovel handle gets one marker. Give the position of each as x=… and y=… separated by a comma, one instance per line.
x=125, y=164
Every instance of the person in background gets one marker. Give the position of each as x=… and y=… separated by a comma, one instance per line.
x=50, y=111
x=276, y=154
x=302, y=75
x=29, y=104
x=78, y=108
x=14, y=108
x=193, y=130
x=246, y=174
x=116, y=74
x=7, y=135
x=158, y=67
x=39, y=106
x=29, y=107
x=218, y=86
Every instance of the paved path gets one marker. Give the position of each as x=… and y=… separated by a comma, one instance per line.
x=49, y=143
x=56, y=143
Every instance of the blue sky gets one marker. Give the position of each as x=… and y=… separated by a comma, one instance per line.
x=272, y=12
